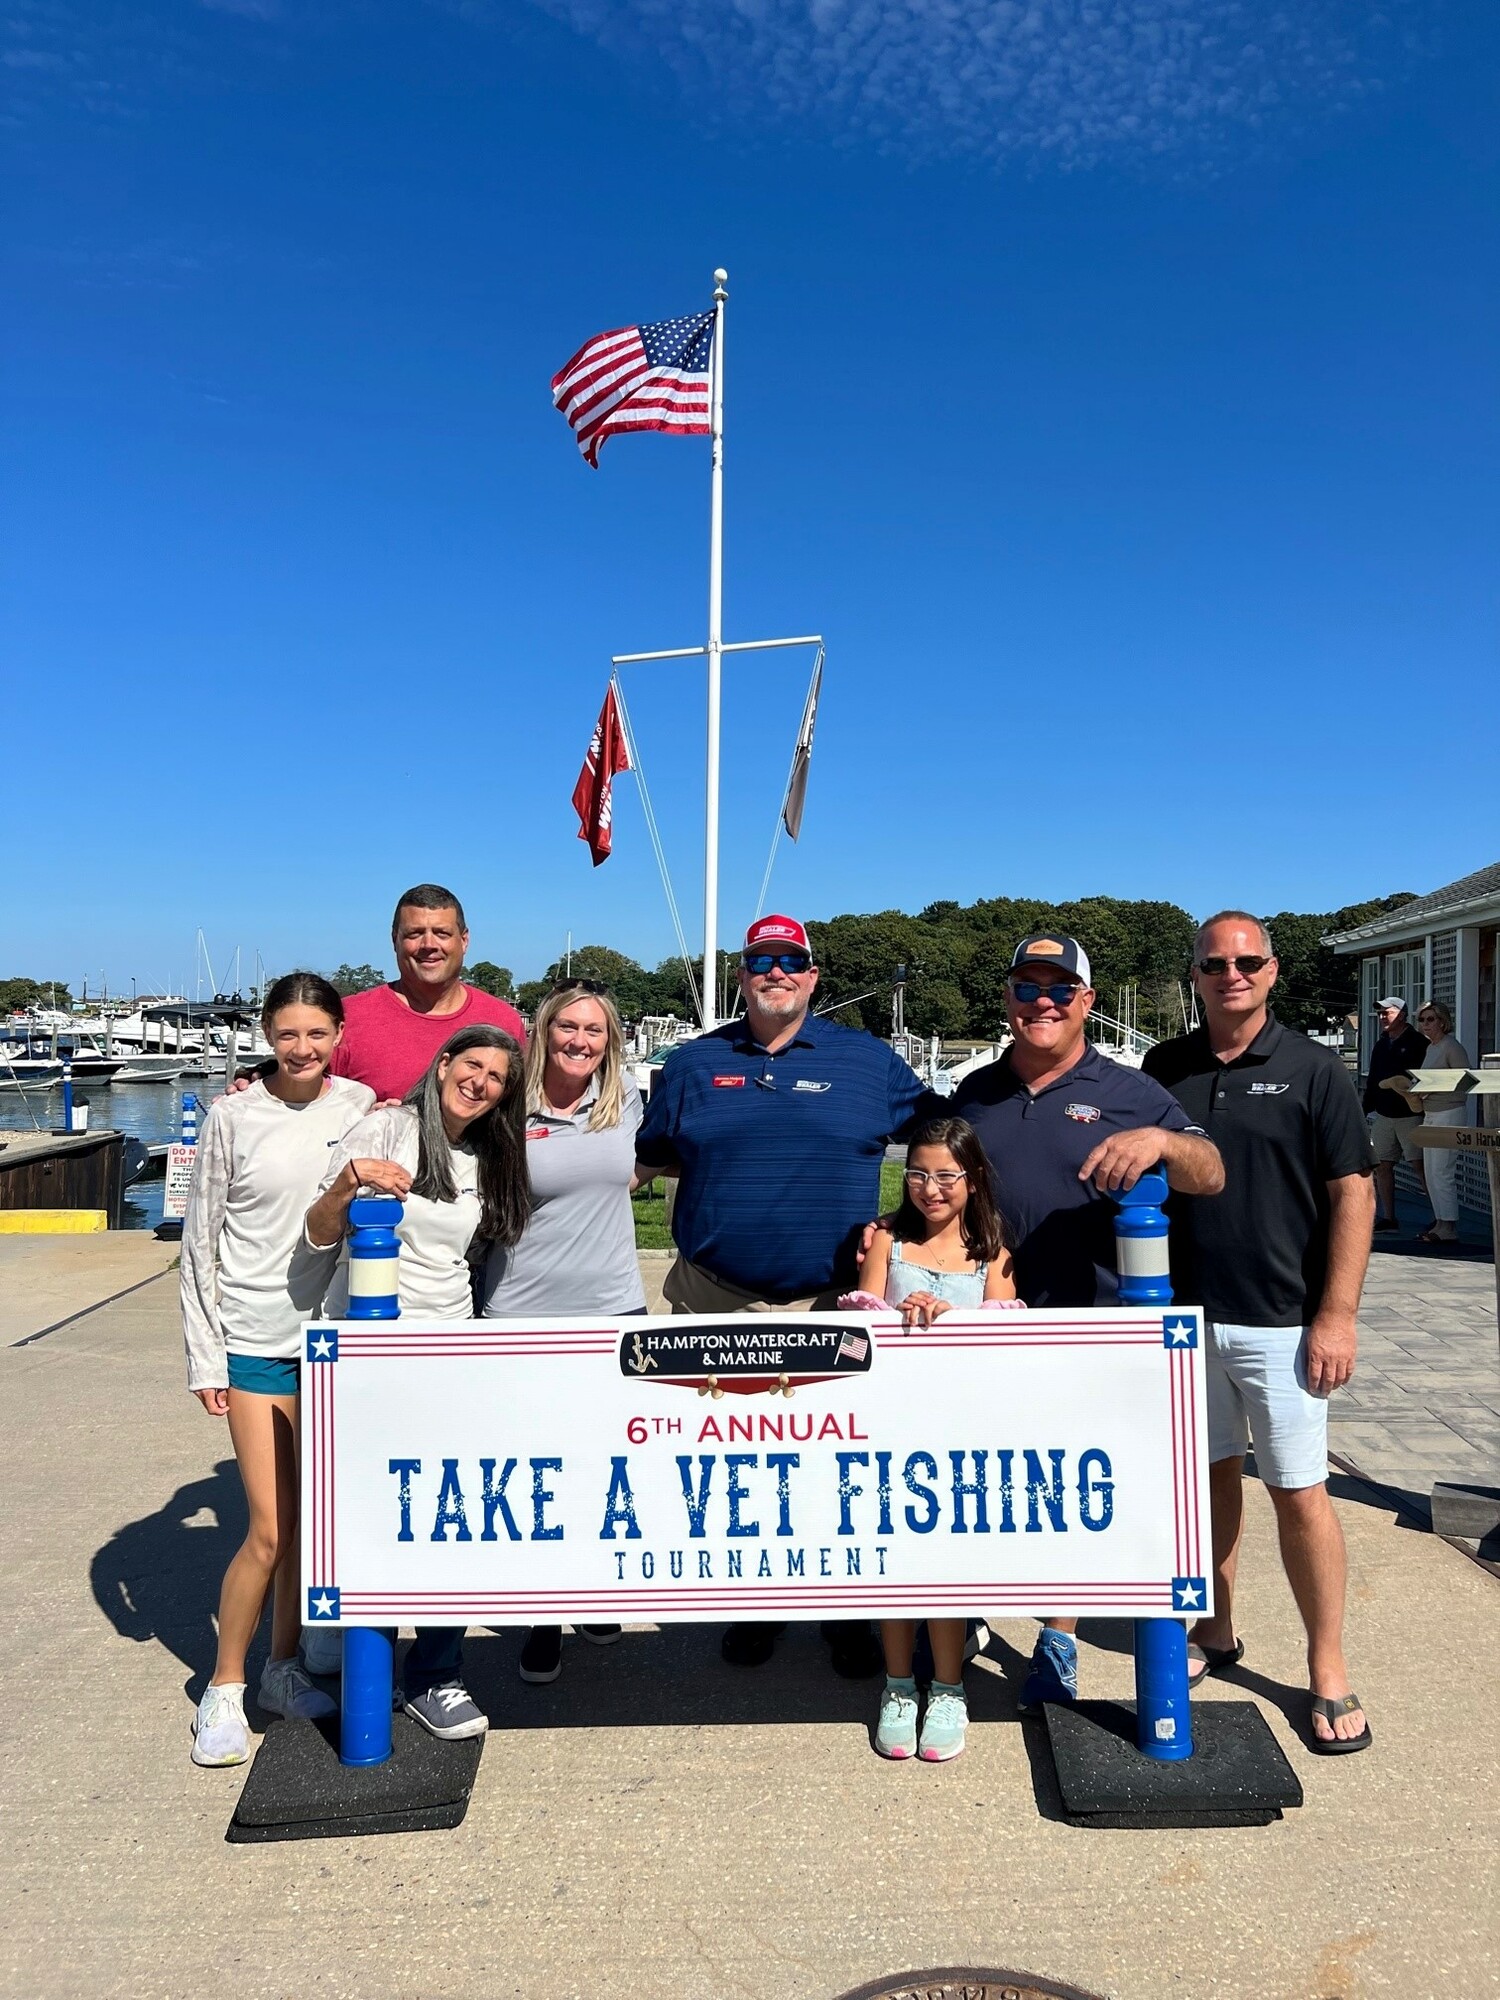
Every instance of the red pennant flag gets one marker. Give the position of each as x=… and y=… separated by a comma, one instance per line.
x=591, y=795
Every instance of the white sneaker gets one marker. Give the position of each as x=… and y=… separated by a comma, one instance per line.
x=221, y=1734
x=286, y=1691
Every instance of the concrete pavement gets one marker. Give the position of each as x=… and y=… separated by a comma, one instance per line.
x=657, y=1823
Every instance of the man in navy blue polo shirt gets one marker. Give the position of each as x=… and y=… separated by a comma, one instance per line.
x=776, y=1126
x=1063, y=1128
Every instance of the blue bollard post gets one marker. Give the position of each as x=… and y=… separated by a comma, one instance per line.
x=369, y=1655
x=1163, y=1717
x=189, y=1119
x=67, y=1095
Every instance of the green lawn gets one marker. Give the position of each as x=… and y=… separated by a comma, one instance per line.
x=651, y=1232
x=649, y=1203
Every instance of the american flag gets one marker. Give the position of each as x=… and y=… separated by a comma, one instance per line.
x=638, y=378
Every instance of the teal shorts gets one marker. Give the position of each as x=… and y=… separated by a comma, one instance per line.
x=264, y=1374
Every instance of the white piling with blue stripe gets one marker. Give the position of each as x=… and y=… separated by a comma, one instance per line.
x=189, y=1119
x=67, y=1090
x=1163, y=1717
x=369, y=1655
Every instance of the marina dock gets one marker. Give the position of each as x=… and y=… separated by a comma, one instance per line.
x=63, y=1170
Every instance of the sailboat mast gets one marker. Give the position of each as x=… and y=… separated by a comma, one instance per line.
x=715, y=665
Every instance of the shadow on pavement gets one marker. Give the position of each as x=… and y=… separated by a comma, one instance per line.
x=158, y=1578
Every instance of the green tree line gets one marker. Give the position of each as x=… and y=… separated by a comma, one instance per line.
x=957, y=955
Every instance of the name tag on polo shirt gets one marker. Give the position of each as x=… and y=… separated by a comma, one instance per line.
x=1267, y=1089
x=1082, y=1114
x=729, y=1083
x=806, y=1083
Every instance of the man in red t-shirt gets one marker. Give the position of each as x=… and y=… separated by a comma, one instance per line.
x=392, y=1033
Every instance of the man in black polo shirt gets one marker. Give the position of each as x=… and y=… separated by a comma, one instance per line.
x=1276, y=1262
x=1063, y=1127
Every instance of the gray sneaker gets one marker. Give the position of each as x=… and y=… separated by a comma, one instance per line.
x=286, y=1691
x=448, y=1711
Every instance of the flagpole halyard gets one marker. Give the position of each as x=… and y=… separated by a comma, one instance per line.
x=710, y=990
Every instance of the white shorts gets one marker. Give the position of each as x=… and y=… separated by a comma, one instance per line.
x=1391, y=1138
x=1258, y=1393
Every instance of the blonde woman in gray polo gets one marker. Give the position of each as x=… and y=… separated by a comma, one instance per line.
x=577, y=1254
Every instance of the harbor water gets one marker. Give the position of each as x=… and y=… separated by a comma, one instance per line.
x=150, y=1112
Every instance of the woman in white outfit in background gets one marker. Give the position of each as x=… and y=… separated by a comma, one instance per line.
x=248, y=1280
x=455, y=1154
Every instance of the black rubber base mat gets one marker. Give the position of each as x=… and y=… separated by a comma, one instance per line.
x=298, y=1790
x=1236, y=1776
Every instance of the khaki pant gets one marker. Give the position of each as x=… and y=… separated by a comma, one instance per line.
x=688, y=1288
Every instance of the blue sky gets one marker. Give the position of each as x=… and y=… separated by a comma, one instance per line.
x=1111, y=381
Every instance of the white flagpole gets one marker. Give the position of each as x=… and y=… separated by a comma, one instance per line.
x=715, y=664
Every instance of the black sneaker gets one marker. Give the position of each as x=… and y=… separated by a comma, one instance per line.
x=856, y=1651
x=749, y=1645
x=541, y=1656
x=599, y=1635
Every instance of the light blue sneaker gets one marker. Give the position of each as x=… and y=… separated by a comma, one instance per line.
x=1054, y=1671
x=896, y=1731
x=944, y=1724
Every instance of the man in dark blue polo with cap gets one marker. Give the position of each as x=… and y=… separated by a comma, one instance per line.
x=776, y=1126
x=1063, y=1128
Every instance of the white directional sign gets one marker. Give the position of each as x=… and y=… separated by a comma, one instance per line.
x=755, y=1467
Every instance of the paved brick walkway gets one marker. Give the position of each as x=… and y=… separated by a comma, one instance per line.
x=1425, y=1401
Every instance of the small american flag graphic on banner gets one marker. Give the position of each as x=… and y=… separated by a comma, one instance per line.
x=638, y=378
x=853, y=1347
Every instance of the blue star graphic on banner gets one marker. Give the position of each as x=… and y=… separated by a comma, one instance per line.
x=1179, y=1332
x=322, y=1343
x=322, y=1602
x=1189, y=1593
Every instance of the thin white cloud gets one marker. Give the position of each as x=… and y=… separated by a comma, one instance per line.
x=1076, y=81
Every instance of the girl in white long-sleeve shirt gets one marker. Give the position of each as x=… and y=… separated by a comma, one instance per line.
x=249, y=1280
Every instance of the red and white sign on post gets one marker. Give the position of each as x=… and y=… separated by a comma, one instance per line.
x=807, y=1466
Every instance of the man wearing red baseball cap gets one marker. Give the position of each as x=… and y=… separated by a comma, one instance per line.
x=776, y=1125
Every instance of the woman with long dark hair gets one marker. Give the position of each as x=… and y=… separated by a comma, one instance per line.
x=248, y=1280
x=455, y=1153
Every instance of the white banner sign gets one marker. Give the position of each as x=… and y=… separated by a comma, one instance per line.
x=804, y=1466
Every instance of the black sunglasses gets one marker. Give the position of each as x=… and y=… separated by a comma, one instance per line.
x=1249, y=965
x=578, y=986
x=760, y=962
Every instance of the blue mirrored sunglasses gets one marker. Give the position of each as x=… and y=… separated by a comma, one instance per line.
x=760, y=962
x=1029, y=991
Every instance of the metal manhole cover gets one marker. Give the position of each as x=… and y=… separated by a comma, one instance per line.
x=968, y=1982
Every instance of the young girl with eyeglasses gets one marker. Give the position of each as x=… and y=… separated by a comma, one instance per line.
x=944, y=1247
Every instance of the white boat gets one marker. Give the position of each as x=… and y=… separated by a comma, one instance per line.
x=20, y=1069
x=150, y=1069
